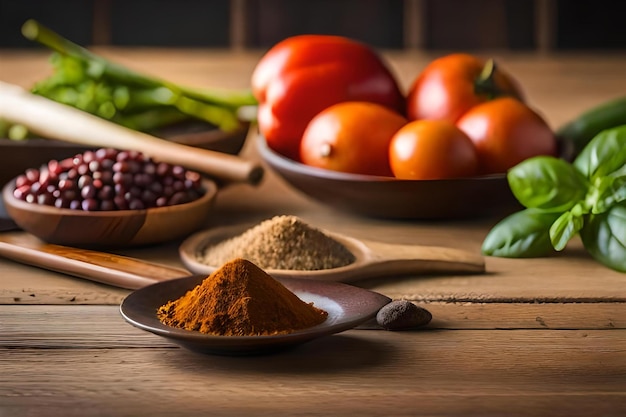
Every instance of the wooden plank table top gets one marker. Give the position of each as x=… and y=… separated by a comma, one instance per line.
x=529, y=337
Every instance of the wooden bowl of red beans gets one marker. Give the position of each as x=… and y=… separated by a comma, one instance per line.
x=109, y=198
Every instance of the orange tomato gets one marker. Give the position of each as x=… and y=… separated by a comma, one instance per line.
x=432, y=149
x=505, y=132
x=352, y=136
x=451, y=85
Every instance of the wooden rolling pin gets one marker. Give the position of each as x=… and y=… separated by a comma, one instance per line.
x=54, y=120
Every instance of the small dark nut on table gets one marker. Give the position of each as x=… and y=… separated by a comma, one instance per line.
x=402, y=315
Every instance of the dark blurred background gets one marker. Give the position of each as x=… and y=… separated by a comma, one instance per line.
x=548, y=25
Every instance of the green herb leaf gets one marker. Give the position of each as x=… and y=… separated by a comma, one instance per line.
x=610, y=191
x=565, y=228
x=604, y=237
x=525, y=234
x=604, y=155
x=547, y=183
x=96, y=85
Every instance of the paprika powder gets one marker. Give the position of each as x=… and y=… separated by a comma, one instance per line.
x=302, y=75
x=240, y=299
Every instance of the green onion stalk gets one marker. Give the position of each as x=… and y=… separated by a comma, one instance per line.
x=89, y=82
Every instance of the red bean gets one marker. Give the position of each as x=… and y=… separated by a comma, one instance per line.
x=90, y=204
x=32, y=174
x=108, y=179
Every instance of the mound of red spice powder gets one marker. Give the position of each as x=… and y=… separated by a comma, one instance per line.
x=240, y=299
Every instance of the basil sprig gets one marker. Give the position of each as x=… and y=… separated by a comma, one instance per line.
x=586, y=197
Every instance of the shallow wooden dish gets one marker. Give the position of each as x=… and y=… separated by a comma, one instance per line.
x=107, y=229
x=391, y=198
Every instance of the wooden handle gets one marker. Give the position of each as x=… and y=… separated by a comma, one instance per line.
x=395, y=258
x=54, y=120
x=107, y=268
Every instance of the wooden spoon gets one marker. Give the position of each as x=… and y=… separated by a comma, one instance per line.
x=373, y=259
x=107, y=268
x=54, y=120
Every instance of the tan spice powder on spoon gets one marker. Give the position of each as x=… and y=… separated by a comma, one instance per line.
x=240, y=299
x=282, y=242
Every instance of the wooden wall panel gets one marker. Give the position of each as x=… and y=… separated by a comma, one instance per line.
x=542, y=25
x=71, y=17
x=377, y=22
x=189, y=23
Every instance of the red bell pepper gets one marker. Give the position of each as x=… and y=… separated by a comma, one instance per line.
x=302, y=75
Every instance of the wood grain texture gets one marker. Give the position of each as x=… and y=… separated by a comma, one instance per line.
x=96, y=364
x=571, y=277
x=530, y=337
x=104, y=267
x=445, y=317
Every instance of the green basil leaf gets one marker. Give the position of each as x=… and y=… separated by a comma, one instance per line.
x=525, y=234
x=610, y=191
x=604, y=237
x=565, y=228
x=604, y=154
x=547, y=183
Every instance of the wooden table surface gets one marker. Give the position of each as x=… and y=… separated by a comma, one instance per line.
x=530, y=337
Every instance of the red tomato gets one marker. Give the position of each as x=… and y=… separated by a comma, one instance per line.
x=451, y=85
x=302, y=75
x=506, y=132
x=432, y=149
x=351, y=137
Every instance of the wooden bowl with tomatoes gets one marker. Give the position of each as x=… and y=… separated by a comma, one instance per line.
x=352, y=140
x=392, y=198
